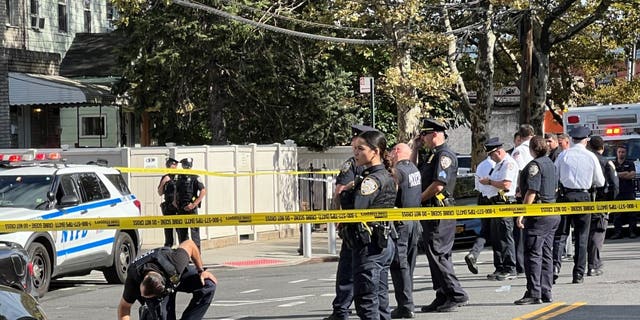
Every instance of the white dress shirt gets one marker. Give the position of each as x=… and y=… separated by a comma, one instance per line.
x=522, y=155
x=484, y=169
x=579, y=168
x=505, y=170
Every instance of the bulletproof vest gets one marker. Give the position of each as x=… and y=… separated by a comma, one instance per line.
x=386, y=198
x=159, y=258
x=409, y=190
x=169, y=188
x=607, y=191
x=185, y=192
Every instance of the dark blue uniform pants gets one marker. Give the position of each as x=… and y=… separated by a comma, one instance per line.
x=403, y=264
x=371, y=280
x=504, y=250
x=620, y=218
x=438, y=238
x=538, y=254
x=344, y=283
x=199, y=304
x=168, y=210
x=597, y=232
x=581, y=224
x=560, y=240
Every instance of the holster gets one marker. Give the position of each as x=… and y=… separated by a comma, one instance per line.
x=599, y=222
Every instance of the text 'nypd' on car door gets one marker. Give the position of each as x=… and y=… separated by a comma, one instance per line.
x=93, y=200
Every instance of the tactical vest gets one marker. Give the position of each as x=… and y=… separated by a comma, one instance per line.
x=169, y=191
x=185, y=191
x=158, y=257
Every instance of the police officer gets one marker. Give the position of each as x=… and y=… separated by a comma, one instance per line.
x=167, y=189
x=371, y=244
x=439, y=174
x=344, y=198
x=503, y=182
x=579, y=171
x=609, y=192
x=156, y=276
x=408, y=179
x=626, y=174
x=189, y=194
x=552, y=142
x=522, y=156
x=538, y=182
x=484, y=169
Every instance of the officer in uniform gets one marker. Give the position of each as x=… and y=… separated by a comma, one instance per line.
x=189, y=194
x=408, y=179
x=370, y=243
x=167, y=189
x=626, y=174
x=503, y=182
x=522, y=156
x=484, y=169
x=344, y=198
x=439, y=174
x=538, y=182
x=579, y=171
x=156, y=276
x=609, y=192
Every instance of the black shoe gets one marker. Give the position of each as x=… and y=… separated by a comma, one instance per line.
x=452, y=306
x=547, y=299
x=506, y=276
x=402, y=313
x=333, y=316
x=616, y=235
x=433, y=306
x=577, y=279
x=492, y=276
x=470, y=259
x=528, y=300
x=595, y=272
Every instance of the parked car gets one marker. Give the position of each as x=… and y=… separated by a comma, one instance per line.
x=17, y=304
x=15, y=268
x=56, y=190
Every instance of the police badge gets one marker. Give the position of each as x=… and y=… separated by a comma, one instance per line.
x=445, y=162
x=533, y=170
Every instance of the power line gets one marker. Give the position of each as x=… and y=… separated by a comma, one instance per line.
x=278, y=29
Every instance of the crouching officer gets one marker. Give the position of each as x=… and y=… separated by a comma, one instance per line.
x=189, y=194
x=371, y=244
x=502, y=183
x=439, y=173
x=156, y=276
x=167, y=189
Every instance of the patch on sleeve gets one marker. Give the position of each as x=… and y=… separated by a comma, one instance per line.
x=368, y=186
x=510, y=166
x=515, y=155
x=445, y=162
x=533, y=170
x=345, y=166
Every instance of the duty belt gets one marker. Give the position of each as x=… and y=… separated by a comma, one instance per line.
x=575, y=190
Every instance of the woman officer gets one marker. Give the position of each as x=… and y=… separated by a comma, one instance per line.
x=538, y=181
x=371, y=243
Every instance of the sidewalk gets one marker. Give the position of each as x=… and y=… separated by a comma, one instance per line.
x=269, y=253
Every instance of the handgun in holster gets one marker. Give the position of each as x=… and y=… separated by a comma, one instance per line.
x=501, y=198
x=444, y=199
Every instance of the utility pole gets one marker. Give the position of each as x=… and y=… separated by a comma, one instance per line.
x=526, y=43
x=632, y=61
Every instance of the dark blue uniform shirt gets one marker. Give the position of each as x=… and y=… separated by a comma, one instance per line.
x=441, y=165
x=625, y=185
x=540, y=176
x=409, y=185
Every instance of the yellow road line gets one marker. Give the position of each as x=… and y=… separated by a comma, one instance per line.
x=563, y=310
x=540, y=311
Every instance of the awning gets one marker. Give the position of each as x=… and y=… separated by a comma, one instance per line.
x=38, y=89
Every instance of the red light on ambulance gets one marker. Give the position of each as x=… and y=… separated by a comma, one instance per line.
x=15, y=158
x=40, y=156
x=614, y=131
x=573, y=119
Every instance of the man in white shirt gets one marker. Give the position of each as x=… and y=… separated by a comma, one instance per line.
x=522, y=156
x=484, y=169
x=503, y=181
x=579, y=172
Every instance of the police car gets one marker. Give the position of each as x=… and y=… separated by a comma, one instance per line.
x=50, y=189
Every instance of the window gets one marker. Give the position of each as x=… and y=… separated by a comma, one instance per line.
x=112, y=15
x=92, y=187
x=87, y=16
x=93, y=126
x=13, y=17
x=34, y=9
x=66, y=187
x=119, y=182
x=63, y=19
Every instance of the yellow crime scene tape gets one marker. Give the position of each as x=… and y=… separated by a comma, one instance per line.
x=238, y=219
x=219, y=174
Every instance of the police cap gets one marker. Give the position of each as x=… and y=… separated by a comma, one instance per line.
x=579, y=133
x=187, y=163
x=357, y=129
x=492, y=145
x=170, y=162
x=432, y=125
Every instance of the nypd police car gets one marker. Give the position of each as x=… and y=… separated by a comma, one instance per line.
x=56, y=190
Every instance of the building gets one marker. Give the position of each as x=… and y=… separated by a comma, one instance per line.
x=38, y=106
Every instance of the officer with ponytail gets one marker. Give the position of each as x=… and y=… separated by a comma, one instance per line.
x=167, y=189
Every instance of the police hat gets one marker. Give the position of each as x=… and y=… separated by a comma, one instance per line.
x=357, y=129
x=186, y=163
x=579, y=133
x=432, y=125
x=492, y=145
x=170, y=162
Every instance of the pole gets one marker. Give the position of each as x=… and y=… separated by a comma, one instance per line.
x=526, y=38
x=373, y=103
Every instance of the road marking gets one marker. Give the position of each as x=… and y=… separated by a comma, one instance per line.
x=540, y=311
x=250, y=291
x=563, y=310
x=327, y=279
x=298, y=281
x=291, y=304
x=328, y=295
x=235, y=303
